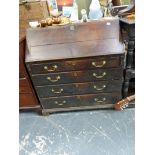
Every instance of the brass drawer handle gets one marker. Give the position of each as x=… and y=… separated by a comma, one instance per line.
x=99, y=88
x=57, y=92
x=99, y=101
x=99, y=66
x=56, y=102
x=53, y=68
x=99, y=76
x=57, y=79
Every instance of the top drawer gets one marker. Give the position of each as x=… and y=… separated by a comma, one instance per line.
x=72, y=65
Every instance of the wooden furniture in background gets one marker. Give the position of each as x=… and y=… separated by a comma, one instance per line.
x=117, y=2
x=116, y=9
x=77, y=66
x=27, y=97
x=128, y=26
x=28, y=11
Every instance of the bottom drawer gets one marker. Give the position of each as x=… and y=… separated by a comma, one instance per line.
x=80, y=100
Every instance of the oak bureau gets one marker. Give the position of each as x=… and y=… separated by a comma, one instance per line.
x=76, y=66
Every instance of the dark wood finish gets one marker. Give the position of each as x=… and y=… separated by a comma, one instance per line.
x=129, y=74
x=97, y=30
x=116, y=9
x=75, y=50
x=46, y=112
x=80, y=100
x=78, y=88
x=77, y=76
x=129, y=10
x=128, y=26
x=27, y=97
x=28, y=101
x=117, y=2
x=55, y=42
x=29, y=11
x=75, y=66
x=24, y=86
x=21, y=58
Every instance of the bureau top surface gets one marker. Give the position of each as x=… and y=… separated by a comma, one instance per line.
x=78, y=40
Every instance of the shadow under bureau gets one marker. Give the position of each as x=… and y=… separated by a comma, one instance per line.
x=76, y=66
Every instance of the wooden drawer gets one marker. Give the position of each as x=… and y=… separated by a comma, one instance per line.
x=24, y=86
x=77, y=76
x=78, y=88
x=80, y=100
x=72, y=65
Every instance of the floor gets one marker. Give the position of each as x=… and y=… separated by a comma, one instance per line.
x=100, y=132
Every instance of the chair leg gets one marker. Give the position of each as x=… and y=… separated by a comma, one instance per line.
x=125, y=88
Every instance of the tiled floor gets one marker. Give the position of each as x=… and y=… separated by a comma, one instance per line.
x=100, y=132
